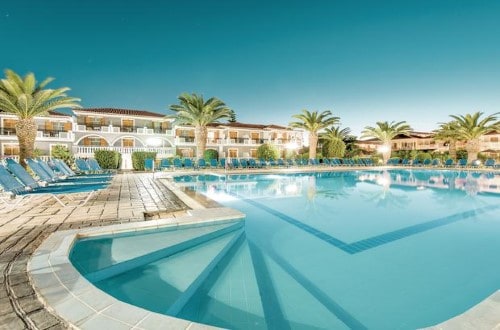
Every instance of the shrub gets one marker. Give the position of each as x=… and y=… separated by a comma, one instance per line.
x=334, y=148
x=138, y=158
x=210, y=154
x=62, y=152
x=107, y=159
x=461, y=154
x=267, y=151
x=421, y=156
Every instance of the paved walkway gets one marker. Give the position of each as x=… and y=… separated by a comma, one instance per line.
x=130, y=197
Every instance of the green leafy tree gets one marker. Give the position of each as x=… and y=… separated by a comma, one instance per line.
x=194, y=110
x=267, y=151
x=232, y=118
x=448, y=133
x=26, y=98
x=334, y=145
x=471, y=128
x=314, y=122
x=385, y=132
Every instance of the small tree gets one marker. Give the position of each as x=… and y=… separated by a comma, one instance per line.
x=210, y=154
x=267, y=151
x=108, y=159
x=62, y=152
x=138, y=158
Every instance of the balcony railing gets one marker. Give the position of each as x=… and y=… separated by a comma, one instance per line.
x=57, y=134
x=7, y=131
x=124, y=129
x=83, y=151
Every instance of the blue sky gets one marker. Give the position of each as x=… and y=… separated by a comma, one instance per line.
x=418, y=61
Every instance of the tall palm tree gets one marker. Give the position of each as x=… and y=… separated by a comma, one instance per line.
x=26, y=98
x=385, y=132
x=334, y=138
x=448, y=133
x=194, y=110
x=313, y=122
x=471, y=128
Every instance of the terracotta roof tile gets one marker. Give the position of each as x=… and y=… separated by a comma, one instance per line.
x=123, y=112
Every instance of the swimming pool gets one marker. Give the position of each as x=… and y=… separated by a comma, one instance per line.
x=397, y=249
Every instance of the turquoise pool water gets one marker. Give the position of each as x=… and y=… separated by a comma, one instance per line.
x=395, y=249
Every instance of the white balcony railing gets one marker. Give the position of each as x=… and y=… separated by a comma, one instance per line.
x=82, y=151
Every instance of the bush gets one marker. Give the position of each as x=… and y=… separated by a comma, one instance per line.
x=62, y=152
x=421, y=156
x=107, y=159
x=335, y=148
x=210, y=154
x=267, y=152
x=138, y=158
x=461, y=154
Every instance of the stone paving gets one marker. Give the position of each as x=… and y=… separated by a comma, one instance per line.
x=130, y=197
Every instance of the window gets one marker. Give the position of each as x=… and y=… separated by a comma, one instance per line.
x=128, y=143
x=233, y=152
x=494, y=139
x=253, y=153
x=11, y=150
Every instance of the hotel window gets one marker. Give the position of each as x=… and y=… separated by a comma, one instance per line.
x=253, y=153
x=233, y=152
x=128, y=143
x=11, y=150
x=494, y=139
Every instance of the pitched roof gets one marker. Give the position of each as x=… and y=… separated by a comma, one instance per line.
x=123, y=112
x=51, y=113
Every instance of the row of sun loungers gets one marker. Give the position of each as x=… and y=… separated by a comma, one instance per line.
x=489, y=163
x=53, y=177
x=235, y=163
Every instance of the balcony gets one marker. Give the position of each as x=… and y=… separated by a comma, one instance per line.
x=54, y=134
x=123, y=129
x=7, y=131
x=88, y=151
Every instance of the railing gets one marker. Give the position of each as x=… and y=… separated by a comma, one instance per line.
x=7, y=131
x=124, y=129
x=58, y=134
x=81, y=150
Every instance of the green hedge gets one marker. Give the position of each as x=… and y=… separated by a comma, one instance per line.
x=108, y=159
x=138, y=158
x=267, y=151
x=210, y=154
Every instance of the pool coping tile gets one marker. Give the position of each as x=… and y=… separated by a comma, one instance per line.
x=64, y=290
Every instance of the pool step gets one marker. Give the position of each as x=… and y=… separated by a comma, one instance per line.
x=151, y=257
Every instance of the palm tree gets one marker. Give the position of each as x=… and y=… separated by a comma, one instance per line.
x=334, y=138
x=194, y=110
x=471, y=128
x=448, y=133
x=26, y=98
x=313, y=122
x=385, y=132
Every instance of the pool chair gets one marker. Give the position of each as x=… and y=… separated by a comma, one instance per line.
x=71, y=175
x=475, y=163
x=252, y=163
x=415, y=162
x=235, y=163
x=177, y=163
x=289, y=162
x=223, y=162
x=427, y=162
x=202, y=163
x=490, y=163
x=40, y=172
x=462, y=162
x=244, y=163
x=165, y=164
x=281, y=162
x=313, y=162
x=82, y=165
x=435, y=162
x=449, y=163
x=214, y=163
x=149, y=164
x=55, y=164
x=188, y=163
x=15, y=187
x=272, y=162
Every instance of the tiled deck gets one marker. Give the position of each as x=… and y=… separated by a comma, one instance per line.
x=130, y=197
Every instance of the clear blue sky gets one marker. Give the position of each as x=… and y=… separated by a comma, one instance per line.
x=417, y=61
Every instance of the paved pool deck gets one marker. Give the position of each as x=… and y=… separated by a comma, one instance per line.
x=131, y=197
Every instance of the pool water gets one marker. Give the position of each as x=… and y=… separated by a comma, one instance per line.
x=396, y=249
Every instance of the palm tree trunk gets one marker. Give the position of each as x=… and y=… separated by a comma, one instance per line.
x=26, y=135
x=200, y=134
x=452, y=149
x=472, y=148
x=313, y=144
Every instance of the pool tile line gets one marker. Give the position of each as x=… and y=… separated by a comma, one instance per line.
x=374, y=241
x=273, y=313
x=201, y=280
x=334, y=307
x=153, y=256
